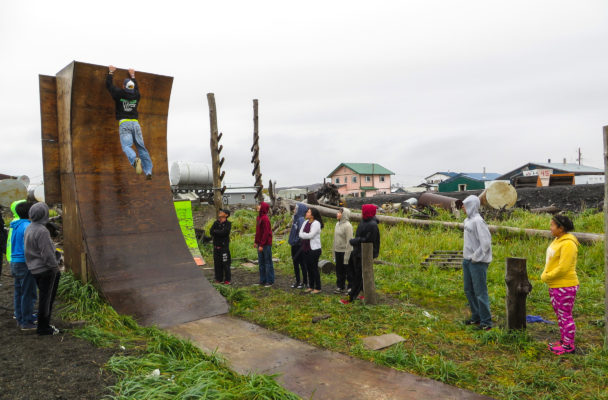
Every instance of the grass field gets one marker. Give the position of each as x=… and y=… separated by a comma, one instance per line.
x=185, y=372
x=426, y=307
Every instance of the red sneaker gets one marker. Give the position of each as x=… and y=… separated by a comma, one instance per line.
x=226, y=282
x=361, y=297
x=344, y=301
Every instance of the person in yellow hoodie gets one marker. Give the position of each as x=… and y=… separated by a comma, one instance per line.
x=560, y=275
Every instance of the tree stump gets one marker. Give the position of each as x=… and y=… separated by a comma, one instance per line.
x=327, y=267
x=518, y=287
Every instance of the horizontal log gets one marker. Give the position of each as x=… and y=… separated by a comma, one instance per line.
x=583, y=237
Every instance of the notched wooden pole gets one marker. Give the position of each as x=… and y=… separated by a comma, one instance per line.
x=216, y=163
x=255, y=160
x=518, y=287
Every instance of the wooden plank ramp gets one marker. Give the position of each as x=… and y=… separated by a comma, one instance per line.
x=120, y=230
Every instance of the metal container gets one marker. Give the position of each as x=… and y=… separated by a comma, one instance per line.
x=190, y=173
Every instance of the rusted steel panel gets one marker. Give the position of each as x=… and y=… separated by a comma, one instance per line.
x=134, y=245
x=50, y=139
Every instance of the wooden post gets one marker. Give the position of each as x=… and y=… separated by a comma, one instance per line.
x=518, y=287
x=606, y=237
x=369, y=285
x=84, y=276
x=255, y=159
x=218, y=190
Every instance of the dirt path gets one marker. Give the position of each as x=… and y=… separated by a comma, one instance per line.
x=60, y=367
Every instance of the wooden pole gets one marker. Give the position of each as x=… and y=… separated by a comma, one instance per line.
x=215, y=155
x=369, y=285
x=583, y=237
x=518, y=287
x=606, y=239
x=255, y=159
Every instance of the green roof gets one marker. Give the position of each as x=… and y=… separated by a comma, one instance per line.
x=364, y=169
x=368, y=188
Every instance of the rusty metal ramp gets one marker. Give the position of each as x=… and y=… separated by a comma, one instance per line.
x=120, y=230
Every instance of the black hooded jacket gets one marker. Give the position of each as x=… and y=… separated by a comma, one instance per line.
x=126, y=101
x=367, y=232
x=220, y=232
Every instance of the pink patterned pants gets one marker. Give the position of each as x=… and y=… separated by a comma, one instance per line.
x=562, y=300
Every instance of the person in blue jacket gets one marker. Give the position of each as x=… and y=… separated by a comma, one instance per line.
x=25, y=284
x=297, y=256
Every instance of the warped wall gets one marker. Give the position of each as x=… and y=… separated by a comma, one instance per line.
x=120, y=230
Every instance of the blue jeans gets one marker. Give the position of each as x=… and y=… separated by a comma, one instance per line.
x=266, y=266
x=25, y=293
x=130, y=133
x=476, y=290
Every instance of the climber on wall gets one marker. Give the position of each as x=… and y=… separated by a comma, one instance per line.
x=127, y=100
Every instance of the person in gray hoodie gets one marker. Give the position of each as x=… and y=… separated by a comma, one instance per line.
x=297, y=255
x=343, y=233
x=41, y=260
x=477, y=255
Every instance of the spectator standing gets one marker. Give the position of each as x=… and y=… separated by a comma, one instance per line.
x=220, y=232
x=310, y=233
x=263, y=243
x=343, y=233
x=41, y=259
x=367, y=232
x=24, y=296
x=560, y=275
x=477, y=255
x=297, y=256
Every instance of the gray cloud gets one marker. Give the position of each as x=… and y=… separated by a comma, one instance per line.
x=414, y=86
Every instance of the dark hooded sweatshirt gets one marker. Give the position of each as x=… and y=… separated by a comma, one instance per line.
x=126, y=101
x=298, y=221
x=367, y=231
x=220, y=232
x=263, y=230
x=39, y=249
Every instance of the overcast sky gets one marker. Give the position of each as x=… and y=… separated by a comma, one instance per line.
x=416, y=86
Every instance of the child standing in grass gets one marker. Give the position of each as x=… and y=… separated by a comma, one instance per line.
x=560, y=275
x=220, y=232
x=263, y=242
x=477, y=255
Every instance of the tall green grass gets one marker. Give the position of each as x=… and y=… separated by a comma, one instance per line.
x=185, y=371
x=426, y=307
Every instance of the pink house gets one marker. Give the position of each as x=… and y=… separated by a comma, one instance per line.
x=361, y=179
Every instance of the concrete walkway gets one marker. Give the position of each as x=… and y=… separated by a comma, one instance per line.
x=310, y=372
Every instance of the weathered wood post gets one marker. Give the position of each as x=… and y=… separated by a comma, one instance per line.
x=216, y=163
x=369, y=285
x=255, y=159
x=606, y=237
x=518, y=287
